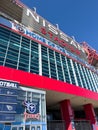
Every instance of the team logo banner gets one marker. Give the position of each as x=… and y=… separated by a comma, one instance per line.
x=32, y=110
x=31, y=107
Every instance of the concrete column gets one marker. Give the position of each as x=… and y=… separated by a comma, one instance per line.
x=90, y=115
x=67, y=114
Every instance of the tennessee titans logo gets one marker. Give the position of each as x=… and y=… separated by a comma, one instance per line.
x=30, y=107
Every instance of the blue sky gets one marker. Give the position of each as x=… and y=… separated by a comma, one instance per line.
x=78, y=18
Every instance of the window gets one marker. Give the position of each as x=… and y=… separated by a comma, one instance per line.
x=45, y=64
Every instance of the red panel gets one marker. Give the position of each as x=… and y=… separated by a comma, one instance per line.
x=90, y=115
x=34, y=80
x=67, y=114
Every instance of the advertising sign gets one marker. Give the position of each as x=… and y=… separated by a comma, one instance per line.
x=41, y=26
x=8, y=100
x=7, y=117
x=8, y=84
x=32, y=110
x=11, y=108
x=8, y=91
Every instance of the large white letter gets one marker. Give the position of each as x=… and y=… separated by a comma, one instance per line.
x=73, y=43
x=64, y=37
x=80, y=48
x=36, y=18
x=53, y=29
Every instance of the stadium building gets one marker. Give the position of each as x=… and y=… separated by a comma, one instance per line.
x=48, y=81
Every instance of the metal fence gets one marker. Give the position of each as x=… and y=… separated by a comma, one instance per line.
x=82, y=125
x=77, y=125
x=56, y=125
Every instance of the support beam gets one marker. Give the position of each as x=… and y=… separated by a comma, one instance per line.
x=67, y=114
x=90, y=115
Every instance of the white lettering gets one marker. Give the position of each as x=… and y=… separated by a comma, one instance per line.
x=64, y=37
x=53, y=29
x=36, y=18
x=8, y=84
x=41, y=39
x=80, y=48
x=73, y=43
x=44, y=23
x=31, y=116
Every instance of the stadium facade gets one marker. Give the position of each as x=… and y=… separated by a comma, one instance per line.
x=48, y=81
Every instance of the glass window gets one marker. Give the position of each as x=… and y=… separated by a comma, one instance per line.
x=4, y=34
x=27, y=127
x=45, y=64
x=14, y=128
x=52, y=64
x=33, y=128
x=59, y=67
x=34, y=65
x=77, y=74
x=71, y=71
x=20, y=128
x=81, y=75
x=65, y=69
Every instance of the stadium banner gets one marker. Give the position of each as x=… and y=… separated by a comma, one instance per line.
x=8, y=108
x=32, y=110
x=8, y=100
x=8, y=91
x=8, y=84
x=7, y=117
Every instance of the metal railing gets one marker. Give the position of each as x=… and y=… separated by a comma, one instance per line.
x=56, y=125
x=82, y=125
x=60, y=125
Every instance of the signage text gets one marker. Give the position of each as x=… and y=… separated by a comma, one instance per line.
x=9, y=84
x=51, y=32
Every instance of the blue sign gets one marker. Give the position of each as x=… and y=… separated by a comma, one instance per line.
x=8, y=91
x=7, y=117
x=8, y=99
x=8, y=108
x=8, y=84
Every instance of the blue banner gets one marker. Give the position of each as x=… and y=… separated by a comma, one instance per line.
x=8, y=99
x=8, y=91
x=8, y=84
x=8, y=108
x=7, y=117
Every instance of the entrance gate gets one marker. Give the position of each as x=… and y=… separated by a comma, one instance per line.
x=26, y=127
